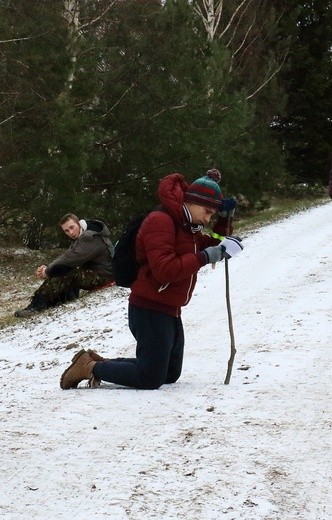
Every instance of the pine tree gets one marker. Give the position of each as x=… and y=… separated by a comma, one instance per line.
x=305, y=131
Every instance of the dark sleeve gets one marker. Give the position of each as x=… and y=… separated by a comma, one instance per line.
x=83, y=250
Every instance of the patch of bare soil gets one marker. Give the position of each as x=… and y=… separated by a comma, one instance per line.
x=18, y=280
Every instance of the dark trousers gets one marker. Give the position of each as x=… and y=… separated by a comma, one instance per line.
x=159, y=352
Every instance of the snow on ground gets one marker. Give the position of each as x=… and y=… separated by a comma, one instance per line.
x=258, y=448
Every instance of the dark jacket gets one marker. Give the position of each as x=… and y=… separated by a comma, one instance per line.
x=91, y=250
x=169, y=247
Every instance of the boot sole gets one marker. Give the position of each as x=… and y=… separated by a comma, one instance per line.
x=74, y=359
x=25, y=314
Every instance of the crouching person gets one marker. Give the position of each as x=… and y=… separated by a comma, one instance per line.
x=85, y=265
x=171, y=248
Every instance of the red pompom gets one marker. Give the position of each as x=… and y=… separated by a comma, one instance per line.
x=214, y=174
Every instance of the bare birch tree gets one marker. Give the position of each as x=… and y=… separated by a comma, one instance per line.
x=71, y=14
x=72, y=11
x=244, y=28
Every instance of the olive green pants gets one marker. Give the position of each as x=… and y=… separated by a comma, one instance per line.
x=66, y=288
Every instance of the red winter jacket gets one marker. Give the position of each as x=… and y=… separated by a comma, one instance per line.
x=170, y=252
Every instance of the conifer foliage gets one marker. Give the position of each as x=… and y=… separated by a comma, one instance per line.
x=100, y=99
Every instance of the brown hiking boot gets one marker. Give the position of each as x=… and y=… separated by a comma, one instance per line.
x=94, y=381
x=80, y=369
x=93, y=355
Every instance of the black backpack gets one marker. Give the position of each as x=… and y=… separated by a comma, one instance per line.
x=124, y=265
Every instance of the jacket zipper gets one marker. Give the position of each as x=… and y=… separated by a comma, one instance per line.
x=165, y=285
x=192, y=277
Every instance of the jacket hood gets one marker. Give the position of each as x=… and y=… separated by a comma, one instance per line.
x=171, y=191
x=95, y=227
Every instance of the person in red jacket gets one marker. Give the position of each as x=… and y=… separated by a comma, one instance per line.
x=172, y=248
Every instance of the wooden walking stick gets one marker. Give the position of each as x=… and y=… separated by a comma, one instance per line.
x=230, y=319
x=230, y=326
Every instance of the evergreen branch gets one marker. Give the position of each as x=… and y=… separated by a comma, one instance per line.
x=133, y=84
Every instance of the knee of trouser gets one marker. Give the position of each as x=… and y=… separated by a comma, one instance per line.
x=172, y=379
x=173, y=374
x=152, y=381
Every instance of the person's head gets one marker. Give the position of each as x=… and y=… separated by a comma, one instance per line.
x=70, y=225
x=203, y=197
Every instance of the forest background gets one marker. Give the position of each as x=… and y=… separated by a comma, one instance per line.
x=100, y=99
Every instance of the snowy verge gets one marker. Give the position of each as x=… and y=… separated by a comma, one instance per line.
x=259, y=448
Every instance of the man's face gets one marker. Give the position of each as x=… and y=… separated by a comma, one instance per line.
x=200, y=214
x=71, y=228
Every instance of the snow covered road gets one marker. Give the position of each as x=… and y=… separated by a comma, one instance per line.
x=259, y=448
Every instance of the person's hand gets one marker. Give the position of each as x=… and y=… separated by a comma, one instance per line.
x=231, y=246
x=227, y=207
x=213, y=254
x=228, y=247
x=40, y=272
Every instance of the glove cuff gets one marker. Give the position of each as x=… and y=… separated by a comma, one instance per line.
x=206, y=257
x=202, y=258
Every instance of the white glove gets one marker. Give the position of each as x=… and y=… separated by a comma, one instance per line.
x=231, y=246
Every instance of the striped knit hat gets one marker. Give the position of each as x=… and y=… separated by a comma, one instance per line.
x=205, y=191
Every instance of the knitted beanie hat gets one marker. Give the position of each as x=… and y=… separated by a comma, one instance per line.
x=205, y=191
